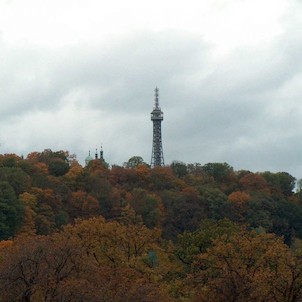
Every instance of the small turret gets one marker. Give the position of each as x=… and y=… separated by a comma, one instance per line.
x=88, y=159
x=101, y=154
x=97, y=156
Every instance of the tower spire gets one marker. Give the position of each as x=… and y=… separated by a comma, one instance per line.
x=157, y=157
x=156, y=98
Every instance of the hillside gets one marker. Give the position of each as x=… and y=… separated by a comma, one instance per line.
x=185, y=232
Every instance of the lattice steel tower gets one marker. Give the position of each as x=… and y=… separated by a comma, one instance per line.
x=157, y=158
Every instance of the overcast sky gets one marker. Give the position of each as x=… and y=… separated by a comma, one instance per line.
x=78, y=74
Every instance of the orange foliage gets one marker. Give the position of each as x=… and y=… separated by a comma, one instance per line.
x=47, y=197
x=5, y=243
x=33, y=156
x=254, y=182
x=239, y=198
x=191, y=193
x=42, y=168
x=74, y=171
x=82, y=204
x=28, y=199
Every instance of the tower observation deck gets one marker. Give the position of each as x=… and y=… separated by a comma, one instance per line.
x=157, y=158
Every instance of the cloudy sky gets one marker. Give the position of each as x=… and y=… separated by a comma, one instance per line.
x=75, y=75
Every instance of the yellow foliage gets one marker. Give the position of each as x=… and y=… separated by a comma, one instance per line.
x=248, y=267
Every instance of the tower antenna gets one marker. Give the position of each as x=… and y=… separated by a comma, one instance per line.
x=156, y=98
x=157, y=116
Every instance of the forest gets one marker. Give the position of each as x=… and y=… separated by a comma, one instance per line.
x=131, y=233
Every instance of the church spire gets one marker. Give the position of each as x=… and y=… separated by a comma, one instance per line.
x=101, y=153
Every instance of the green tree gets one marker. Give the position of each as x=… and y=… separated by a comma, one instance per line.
x=182, y=213
x=148, y=206
x=134, y=162
x=11, y=211
x=281, y=181
x=9, y=160
x=221, y=172
x=179, y=168
x=260, y=211
x=58, y=167
x=16, y=177
x=287, y=220
x=215, y=203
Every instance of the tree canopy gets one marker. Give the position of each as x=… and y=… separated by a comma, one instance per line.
x=184, y=232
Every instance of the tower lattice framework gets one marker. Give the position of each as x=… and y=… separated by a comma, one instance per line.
x=157, y=116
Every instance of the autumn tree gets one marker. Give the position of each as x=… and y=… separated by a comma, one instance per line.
x=82, y=204
x=29, y=203
x=254, y=182
x=248, y=267
x=162, y=178
x=239, y=201
x=68, y=267
x=57, y=162
x=149, y=206
x=73, y=176
x=115, y=243
x=191, y=244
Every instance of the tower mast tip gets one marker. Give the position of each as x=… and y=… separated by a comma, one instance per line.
x=156, y=98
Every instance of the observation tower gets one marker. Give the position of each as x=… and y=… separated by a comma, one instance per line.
x=157, y=116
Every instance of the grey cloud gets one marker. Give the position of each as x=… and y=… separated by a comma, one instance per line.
x=232, y=117
x=114, y=79
x=238, y=109
x=119, y=76
x=26, y=81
